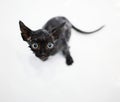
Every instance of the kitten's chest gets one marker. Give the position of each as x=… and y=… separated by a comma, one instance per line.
x=58, y=46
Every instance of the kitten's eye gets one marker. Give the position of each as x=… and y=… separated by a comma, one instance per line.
x=35, y=46
x=50, y=45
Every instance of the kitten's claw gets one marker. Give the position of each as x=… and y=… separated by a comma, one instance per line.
x=69, y=60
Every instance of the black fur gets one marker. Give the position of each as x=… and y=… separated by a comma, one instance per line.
x=53, y=37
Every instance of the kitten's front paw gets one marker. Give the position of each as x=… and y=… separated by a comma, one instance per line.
x=69, y=60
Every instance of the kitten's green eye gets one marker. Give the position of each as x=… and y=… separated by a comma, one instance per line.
x=35, y=46
x=50, y=45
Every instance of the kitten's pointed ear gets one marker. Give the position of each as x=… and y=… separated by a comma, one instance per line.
x=25, y=31
x=55, y=31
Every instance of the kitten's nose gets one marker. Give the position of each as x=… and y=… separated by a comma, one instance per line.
x=43, y=57
x=42, y=54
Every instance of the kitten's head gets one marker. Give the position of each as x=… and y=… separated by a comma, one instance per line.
x=41, y=42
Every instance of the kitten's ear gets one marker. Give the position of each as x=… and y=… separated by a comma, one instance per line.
x=25, y=31
x=55, y=31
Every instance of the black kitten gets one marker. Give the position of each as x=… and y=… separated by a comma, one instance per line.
x=53, y=37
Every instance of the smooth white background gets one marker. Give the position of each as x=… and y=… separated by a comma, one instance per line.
x=95, y=74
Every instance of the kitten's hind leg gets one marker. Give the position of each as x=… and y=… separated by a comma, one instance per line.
x=66, y=53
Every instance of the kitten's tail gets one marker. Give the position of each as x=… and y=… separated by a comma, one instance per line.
x=84, y=32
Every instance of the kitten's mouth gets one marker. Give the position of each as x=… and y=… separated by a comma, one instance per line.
x=43, y=58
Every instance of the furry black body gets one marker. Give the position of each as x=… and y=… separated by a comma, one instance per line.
x=53, y=37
